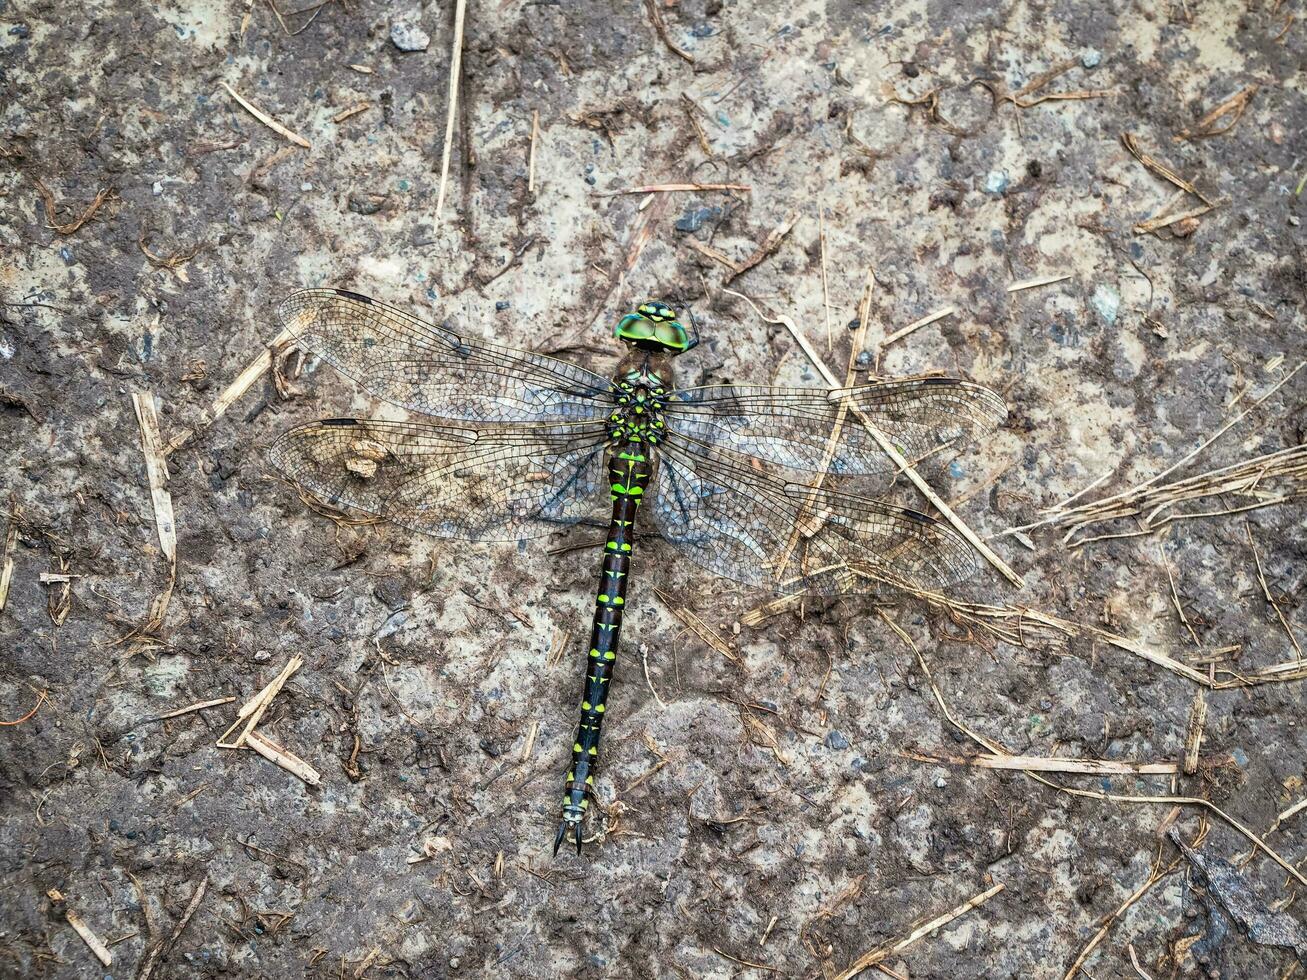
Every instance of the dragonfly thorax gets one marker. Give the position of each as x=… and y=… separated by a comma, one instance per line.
x=640, y=397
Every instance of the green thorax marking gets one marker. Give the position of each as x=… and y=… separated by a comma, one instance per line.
x=638, y=418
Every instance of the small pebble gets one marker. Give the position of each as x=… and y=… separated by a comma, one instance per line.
x=996, y=182
x=1092, y=58
x=502, y=305
x=19, y=31
x=262, y=657
x=306, y=186
x=836, y=740
x=941, y=783
x=157, y=188
x=1106, y=301
x=406, y=37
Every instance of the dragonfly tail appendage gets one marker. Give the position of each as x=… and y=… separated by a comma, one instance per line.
x=629, y=473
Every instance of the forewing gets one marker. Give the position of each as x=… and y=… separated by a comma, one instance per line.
x=796, y=428
x=792, y=538
x=434, y=370
x=496, y=484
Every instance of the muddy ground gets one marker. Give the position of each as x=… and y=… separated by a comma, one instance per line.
x=775, y=812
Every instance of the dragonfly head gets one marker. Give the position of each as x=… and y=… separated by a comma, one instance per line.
x=654, y=327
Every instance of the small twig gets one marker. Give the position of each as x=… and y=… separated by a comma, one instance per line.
x=11, y=542
x=916, y=325
x=455, y=64
x=1193, y=736
x=198, y=706
x=661, y=28
x=266, y=119
x=531, y=154
x=1017, y=287
x=1234, y=106
x=889, y=449
x=675, y=186
x=1162, y=170
x=825, y=286
x=156, y=469
x=159, y=952
x=40, y=700
x=71, y=226
x=93, y=942
x=885, y=951
x=275, y=753
x=352, y=111
x=1086, y=767
x=253, y=371
x=769, y=245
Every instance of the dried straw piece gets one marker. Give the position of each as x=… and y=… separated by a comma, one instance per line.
x=156, y=469
x=886, y=950
x=352, y=111
x=656, y=16
x=71, y=226
x=1206, y=127
x=531, y=154
x=1024, y=284
x=1193, y=738
x=674, y=187
x=1162, y=170
x=925, y=321
x=273, y=752
x=700, y=629
x=253, y=371
x=1083, y=767
x=254, y=708
x=11, y=542
x=769, y=245
x=904, y=466
x=455, y=69
x=92, y=941
x=266, y=119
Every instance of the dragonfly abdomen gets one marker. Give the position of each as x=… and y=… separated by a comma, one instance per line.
x=628, y=472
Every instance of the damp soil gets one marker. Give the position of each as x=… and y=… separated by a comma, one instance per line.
x=766, y=811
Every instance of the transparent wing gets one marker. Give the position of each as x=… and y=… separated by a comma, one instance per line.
x=500, y=484
x=435, y=371
x=740, y=523
x=793, y=427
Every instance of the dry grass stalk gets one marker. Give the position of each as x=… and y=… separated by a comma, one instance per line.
x=11, y=542
x=1080, y=767
x=198, y=706
x=93, y=942
x=531, y=153
x=292, y=763
x=1207, y=127
x=1266, y=591
x=1193, y=738
x=703, y=248
x=68, y=227
x=656, y=16
x=1162, y=170
x=886, y=950
x=674, y=187
x=266, y=119
x=769, y=245
x=253, y=371
x=1157, y=873
x=699, y=628
x=351, y=112
x=1206, y=805
x=1038, y=281
x=160, y=951
x=173, y=261
x=1164, y=220
x=904, y=466
x=1022, y=97
x=156, y=469
x=252, y=710
x=825, y=282
x=455, y=67
x=916, y=325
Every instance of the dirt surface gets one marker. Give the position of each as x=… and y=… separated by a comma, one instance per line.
x=775, y=812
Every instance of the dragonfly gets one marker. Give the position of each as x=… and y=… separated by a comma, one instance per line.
x=747, y=480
